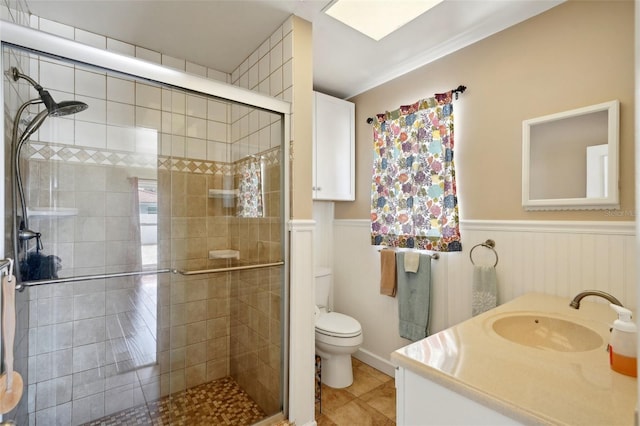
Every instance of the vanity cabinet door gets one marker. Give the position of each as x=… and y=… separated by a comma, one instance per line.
x=420, y=401
x=333, y=148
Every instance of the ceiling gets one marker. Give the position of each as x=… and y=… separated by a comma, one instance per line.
x=220, y=34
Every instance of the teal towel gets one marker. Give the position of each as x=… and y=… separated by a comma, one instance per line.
x=413, y=298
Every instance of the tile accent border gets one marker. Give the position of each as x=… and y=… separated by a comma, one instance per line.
x=72, y=154
x=51, y=152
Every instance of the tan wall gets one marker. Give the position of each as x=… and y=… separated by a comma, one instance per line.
x=301, y=134
x=577, y=54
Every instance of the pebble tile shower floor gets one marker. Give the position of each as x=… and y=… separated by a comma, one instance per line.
x=370, y=400
x=221, y=402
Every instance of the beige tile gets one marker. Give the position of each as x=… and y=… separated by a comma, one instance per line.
x=383, y=399
x=195, y=375
x=355, y=362
x=332, y=399
x=358, y=413
x=363, y=382
x=370, y=400
x=195, y=311
x=372, y=371
x=196, y=332
x=323, y=420
x=196, y=354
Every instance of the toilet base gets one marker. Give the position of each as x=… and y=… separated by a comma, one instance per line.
x=337, y=371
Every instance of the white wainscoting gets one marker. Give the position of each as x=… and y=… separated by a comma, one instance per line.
x=560, y=258
x=301, y=323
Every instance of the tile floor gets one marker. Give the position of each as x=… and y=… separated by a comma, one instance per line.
x=370, y=400
x=221, y=402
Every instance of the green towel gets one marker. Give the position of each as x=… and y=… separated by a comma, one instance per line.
x=413, y=298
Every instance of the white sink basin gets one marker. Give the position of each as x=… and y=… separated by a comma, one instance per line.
x=547, y=332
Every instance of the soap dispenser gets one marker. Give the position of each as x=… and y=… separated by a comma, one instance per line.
x=622, y=347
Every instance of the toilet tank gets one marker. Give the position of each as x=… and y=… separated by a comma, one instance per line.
x=323, y=286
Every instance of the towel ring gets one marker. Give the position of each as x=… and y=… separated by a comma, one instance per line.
x=490, y=244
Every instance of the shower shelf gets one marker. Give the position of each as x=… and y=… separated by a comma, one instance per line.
x=52, y=211
x=223, y=193
x=224, y=254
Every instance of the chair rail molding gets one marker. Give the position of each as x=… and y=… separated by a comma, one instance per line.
x=581, y=227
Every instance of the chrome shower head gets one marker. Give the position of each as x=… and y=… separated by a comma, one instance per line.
x=66, y=108
x=55, y=109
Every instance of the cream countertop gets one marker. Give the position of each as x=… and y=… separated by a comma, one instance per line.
x=530, y=385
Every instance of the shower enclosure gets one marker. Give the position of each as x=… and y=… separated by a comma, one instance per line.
x=162, y=207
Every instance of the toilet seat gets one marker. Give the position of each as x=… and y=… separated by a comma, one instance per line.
x=335, y=324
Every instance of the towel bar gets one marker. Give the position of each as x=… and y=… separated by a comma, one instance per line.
x=490, y=244
x=434, y=256
x=231, y=268
x=4, y=263
x=21, y=286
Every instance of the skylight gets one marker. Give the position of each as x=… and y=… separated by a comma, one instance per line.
x=378, y=18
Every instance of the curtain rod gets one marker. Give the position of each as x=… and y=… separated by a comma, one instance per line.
x=457, y=91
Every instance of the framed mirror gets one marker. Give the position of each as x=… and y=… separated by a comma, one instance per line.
x=570, y=159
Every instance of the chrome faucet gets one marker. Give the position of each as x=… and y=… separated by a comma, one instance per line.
x=575, y=303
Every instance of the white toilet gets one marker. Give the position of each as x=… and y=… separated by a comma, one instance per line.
x=337, y=336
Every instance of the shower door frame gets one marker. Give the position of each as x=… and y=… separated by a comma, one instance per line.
x=40, y=42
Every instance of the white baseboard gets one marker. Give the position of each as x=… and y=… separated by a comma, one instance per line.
x=376, y=362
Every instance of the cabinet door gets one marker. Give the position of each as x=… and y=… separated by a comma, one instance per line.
x=334, y=149
x=420, y=401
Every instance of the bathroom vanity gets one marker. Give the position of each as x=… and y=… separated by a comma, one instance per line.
x=533, y=360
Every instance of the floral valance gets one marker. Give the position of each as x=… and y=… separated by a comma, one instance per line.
x=413, y=192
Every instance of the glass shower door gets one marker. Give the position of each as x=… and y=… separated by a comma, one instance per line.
x=148, y=180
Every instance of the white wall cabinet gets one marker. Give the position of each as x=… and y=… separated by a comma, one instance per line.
x=333, y=148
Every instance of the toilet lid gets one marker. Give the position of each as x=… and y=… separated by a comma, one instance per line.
x=339, y=325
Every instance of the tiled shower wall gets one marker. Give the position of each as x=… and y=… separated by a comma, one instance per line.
x=15, y=11
x=224, y=323
x=255, y=344
x=253, y=312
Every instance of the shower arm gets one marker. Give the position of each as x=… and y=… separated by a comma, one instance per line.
x=55, y=109
x=45, y=97
x=16, y=75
